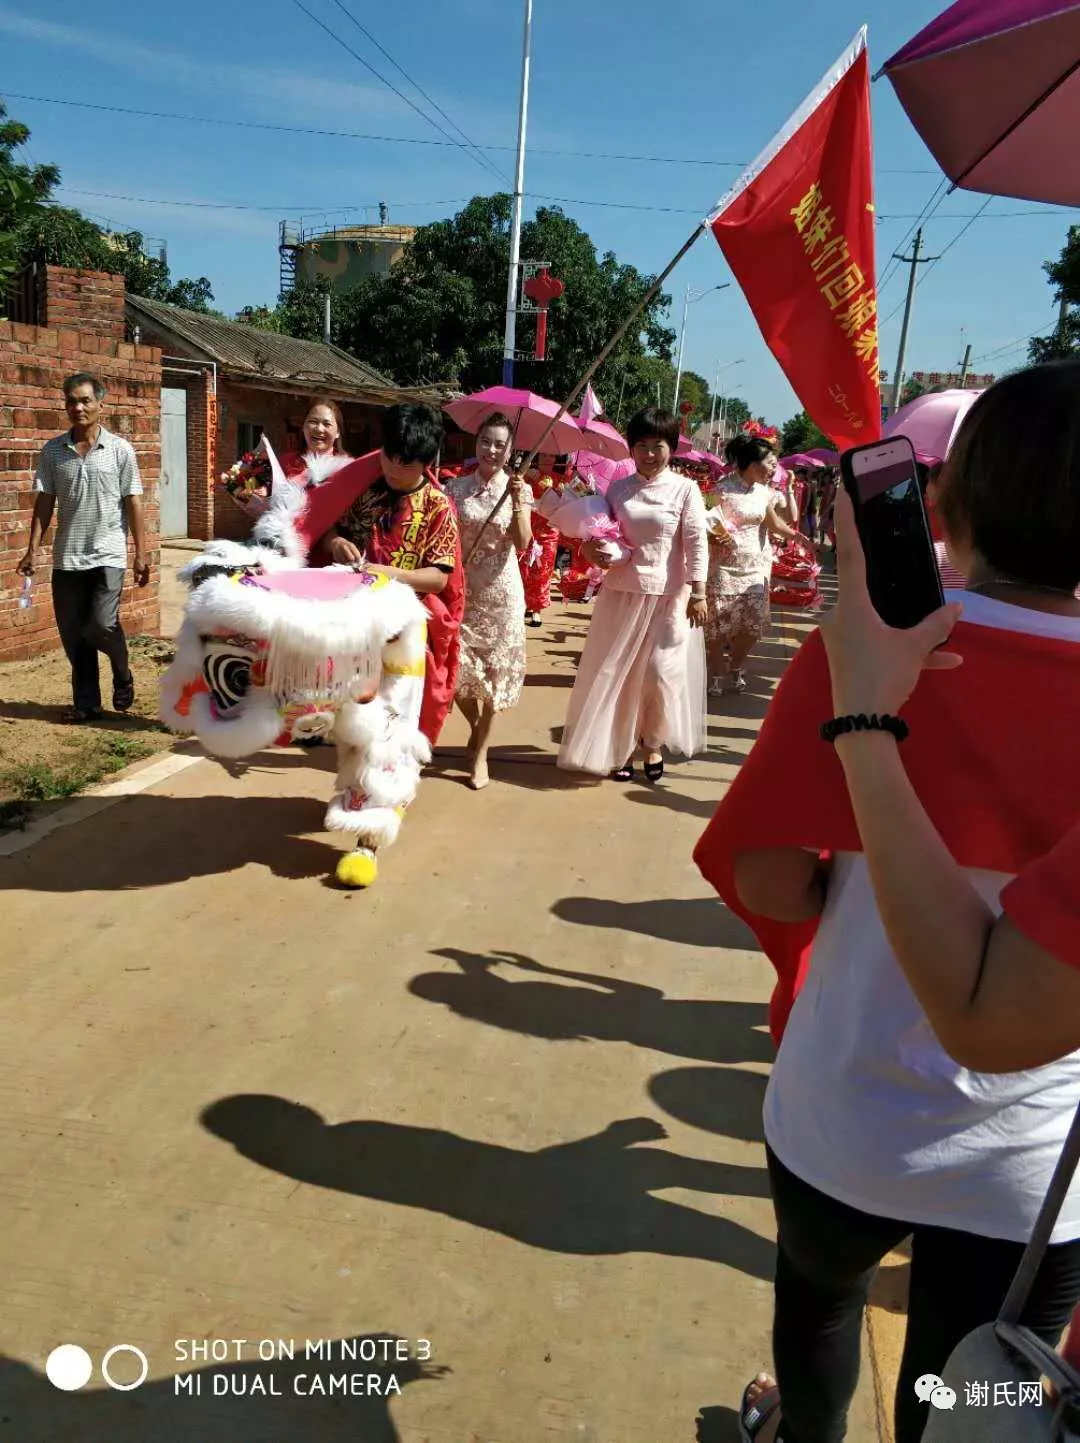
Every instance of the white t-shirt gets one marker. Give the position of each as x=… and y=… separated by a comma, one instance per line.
x=865, y=1105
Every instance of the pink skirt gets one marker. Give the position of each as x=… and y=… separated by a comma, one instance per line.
x=641, y=678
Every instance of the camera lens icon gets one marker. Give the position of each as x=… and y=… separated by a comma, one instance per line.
x=70, y=1367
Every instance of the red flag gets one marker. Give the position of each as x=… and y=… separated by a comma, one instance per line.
x=998, y=801
x=797, y=230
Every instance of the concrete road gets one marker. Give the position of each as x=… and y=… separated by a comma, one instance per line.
x=504, y=1108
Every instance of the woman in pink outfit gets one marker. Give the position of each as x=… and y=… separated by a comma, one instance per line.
x=641, y=679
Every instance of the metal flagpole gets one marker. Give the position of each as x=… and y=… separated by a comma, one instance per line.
x=510, y=340
x=598, y=361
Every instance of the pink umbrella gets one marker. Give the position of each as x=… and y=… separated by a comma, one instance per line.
x=602, y=470
x=993, y=88
x=688, y=452
x=803, y=460
x=931, y=422
x=825, y=456
x=602, y=439
x=532, y=417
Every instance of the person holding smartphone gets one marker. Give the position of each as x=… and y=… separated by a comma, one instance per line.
x=916, y=906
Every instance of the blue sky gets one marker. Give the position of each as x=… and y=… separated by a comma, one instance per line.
x=683, y=79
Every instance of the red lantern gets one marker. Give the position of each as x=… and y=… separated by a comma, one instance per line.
x=542, y=289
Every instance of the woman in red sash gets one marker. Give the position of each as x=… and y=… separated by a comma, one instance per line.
x=387, y=510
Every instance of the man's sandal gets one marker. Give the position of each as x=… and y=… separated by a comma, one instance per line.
x=754, y=1416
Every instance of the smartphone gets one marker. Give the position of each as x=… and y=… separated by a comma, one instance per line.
x=882, y=480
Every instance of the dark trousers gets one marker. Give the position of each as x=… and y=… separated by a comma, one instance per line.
x=827, y=1256
x=87, y=608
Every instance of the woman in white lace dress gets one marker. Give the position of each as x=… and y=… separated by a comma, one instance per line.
x=493, y=627
x=745, y=512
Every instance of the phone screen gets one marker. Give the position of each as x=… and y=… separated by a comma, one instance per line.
x=901, y=567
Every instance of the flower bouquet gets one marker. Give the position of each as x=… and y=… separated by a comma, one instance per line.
x=719, y=529
x=249, y=482
x=583, y=516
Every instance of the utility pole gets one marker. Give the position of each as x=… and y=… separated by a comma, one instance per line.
x=965, y=366
x=326, y=320
x=915, y=260
x=510, y=339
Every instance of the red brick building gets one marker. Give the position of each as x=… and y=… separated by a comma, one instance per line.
x=224, y=384
x=79, y=326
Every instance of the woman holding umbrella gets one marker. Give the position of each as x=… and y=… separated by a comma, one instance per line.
x=494, y=516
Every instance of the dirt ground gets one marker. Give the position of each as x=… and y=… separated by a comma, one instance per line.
x=44, y=758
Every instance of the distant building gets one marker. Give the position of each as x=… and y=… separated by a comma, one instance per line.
x=344, y=255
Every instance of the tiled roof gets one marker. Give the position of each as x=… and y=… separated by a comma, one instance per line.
x=246, y=350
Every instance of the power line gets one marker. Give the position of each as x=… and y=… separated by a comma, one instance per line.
x=415, y=85
x=957, y=237
x=392, y=139
x=480, y=160
x=236, y=205
x=937, y=196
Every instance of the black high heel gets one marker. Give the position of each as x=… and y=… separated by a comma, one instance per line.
x=654, y=770
x=623, y=774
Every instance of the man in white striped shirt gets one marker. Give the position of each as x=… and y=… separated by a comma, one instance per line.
x=92, y=476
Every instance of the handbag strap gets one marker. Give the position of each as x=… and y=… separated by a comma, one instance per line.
x=1020, y=1288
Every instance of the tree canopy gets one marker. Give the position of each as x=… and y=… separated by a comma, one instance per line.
x=439, y=314
x=32, y=228
x=1064, y=277
x=801, y=434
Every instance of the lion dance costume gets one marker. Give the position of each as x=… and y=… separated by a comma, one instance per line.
x=274, y=652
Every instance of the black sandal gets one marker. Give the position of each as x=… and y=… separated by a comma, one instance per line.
x=754, y=1416
x=77, y=715
x=654, y=770
x=623, y=774
x=123, y=697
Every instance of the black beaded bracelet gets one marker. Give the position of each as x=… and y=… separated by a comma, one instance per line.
x=842, y=725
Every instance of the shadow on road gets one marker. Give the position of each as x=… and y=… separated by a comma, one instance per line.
x=155, y=841
x=693, y=922
x=36, y=1412
x=716, y=1099
x=592, y=1196
x=604, y=1009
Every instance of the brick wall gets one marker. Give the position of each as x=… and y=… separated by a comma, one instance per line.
x=33, y=363
x=86, y=301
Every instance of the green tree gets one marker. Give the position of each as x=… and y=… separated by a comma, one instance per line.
x=801, y=434
x=34, y=229
x=439, y=314
x=735, y=411
x=1064, y=276
x=22, y=189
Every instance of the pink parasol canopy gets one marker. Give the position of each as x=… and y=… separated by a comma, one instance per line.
x=531, y=415
x=602, y=470
x=993, y=88
x=802, y=460
x=931, y=422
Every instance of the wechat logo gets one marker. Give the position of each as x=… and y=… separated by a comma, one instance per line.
x=931, y=1389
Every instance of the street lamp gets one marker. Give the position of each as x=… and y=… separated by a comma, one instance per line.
x=690, y=296
x=716, y=388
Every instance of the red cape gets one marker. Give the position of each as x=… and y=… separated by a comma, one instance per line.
x=326, y=506
x=992, y=754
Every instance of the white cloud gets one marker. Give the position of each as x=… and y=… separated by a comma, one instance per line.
x=274, y=89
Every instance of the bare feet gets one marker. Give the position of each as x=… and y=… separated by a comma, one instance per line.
x=480, y=778
x=757, y=1401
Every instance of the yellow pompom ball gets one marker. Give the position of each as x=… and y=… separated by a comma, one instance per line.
x=357, y=869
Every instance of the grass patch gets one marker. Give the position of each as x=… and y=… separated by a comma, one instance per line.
x=36, y=782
